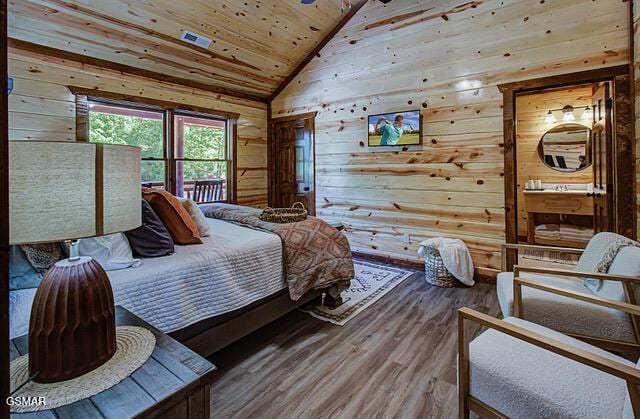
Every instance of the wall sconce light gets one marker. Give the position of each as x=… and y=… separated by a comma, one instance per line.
x=550, y=119
x=9, y=85
x=567, y=113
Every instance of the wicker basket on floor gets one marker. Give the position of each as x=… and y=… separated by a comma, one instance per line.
x=434, y=270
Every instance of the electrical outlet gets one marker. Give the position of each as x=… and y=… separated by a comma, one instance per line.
x=406, y=238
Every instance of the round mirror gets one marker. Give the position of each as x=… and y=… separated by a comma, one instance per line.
x=566, y=148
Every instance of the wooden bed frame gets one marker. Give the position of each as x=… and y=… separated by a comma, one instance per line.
x=207, y=342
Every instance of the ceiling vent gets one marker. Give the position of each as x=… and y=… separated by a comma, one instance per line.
x=195, y=39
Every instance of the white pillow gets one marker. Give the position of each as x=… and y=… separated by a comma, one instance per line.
x=112, y=252
x=198, y=216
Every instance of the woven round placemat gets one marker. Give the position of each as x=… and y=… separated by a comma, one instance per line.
x=134, y=347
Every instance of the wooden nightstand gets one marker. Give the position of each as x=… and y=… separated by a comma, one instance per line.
x=173, y=383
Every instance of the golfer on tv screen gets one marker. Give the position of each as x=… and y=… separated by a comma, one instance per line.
x=390, y=132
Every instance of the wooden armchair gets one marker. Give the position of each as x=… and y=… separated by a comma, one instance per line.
x=570, y=308
x=519, y=369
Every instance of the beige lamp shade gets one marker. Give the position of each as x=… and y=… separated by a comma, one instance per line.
x=70, y=190
x=117, y=188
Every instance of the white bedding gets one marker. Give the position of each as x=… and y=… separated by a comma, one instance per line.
x=234, y=267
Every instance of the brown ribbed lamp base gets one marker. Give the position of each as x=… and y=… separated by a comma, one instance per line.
x=72, y=328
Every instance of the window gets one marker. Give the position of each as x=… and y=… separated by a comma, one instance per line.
x=195, y=162
x=141, y=128
x=201, y=153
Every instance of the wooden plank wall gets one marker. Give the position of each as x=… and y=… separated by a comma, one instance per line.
x=445, y=60
x=255, y=44
x=42, y=107
x=531, y=111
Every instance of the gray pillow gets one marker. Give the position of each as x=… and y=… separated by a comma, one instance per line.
x=151, y=239
x=21, y=273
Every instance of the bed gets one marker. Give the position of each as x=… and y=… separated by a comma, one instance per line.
x=206, y=295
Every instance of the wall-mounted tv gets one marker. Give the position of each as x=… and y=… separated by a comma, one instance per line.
x=395, y=128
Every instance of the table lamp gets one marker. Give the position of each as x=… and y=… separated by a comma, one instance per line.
x=66, y=191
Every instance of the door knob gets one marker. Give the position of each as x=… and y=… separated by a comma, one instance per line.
x=306, y=189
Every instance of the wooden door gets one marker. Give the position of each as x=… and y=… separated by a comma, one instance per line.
x=602, y=155
x=293, y=162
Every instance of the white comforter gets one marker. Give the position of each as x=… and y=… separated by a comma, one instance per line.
x=233, y=268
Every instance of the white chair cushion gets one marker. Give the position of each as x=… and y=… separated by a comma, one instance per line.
x=591, y=258
x=626, y=263
x=628, y=410
x=521, y=380
x=565, y=314
x=595, y=250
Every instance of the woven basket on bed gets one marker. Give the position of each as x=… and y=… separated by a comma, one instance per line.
x=296, y=213
x=434, y=270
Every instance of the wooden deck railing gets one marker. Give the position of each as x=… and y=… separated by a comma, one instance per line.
x=188, y=187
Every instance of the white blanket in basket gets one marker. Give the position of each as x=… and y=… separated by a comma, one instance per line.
x=455, y=256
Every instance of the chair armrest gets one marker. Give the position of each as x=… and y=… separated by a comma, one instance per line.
x=609, y=366
x=517, y=246
x=518, y=283
x=575, y=274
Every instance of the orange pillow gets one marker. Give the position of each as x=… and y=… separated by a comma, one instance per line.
x=179, y=223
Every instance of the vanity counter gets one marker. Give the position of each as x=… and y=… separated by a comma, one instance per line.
x=571, y=202
x=574, y=192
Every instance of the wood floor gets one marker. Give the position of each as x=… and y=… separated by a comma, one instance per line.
x=396, y=359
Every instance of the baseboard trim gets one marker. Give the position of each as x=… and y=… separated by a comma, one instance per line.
x=414, y=264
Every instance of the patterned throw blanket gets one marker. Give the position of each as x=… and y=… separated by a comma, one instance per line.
x=316, y=255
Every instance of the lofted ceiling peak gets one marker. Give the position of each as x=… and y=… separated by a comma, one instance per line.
x=254, y=45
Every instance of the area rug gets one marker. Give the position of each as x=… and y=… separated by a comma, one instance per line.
x=372, y=281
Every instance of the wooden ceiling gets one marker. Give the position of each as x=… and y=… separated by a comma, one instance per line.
x=256, y=44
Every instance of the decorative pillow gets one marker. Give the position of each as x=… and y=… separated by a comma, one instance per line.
x=607, y=261
x=151, y=239
x=112, y=251
x=175, y=218
x=21, y=273
x=196, y=213
x=42, y=256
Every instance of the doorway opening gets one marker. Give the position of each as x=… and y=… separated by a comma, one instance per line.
x=569, y=160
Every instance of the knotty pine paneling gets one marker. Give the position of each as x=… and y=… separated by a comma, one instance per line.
x=255, y=44
x=42, y=107
x=446, y=59
x=531, y=111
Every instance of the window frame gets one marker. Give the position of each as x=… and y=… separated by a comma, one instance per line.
x=173, y=114
x=135, y=106
x=169, y=111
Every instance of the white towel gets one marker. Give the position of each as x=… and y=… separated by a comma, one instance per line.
x=455, y=256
